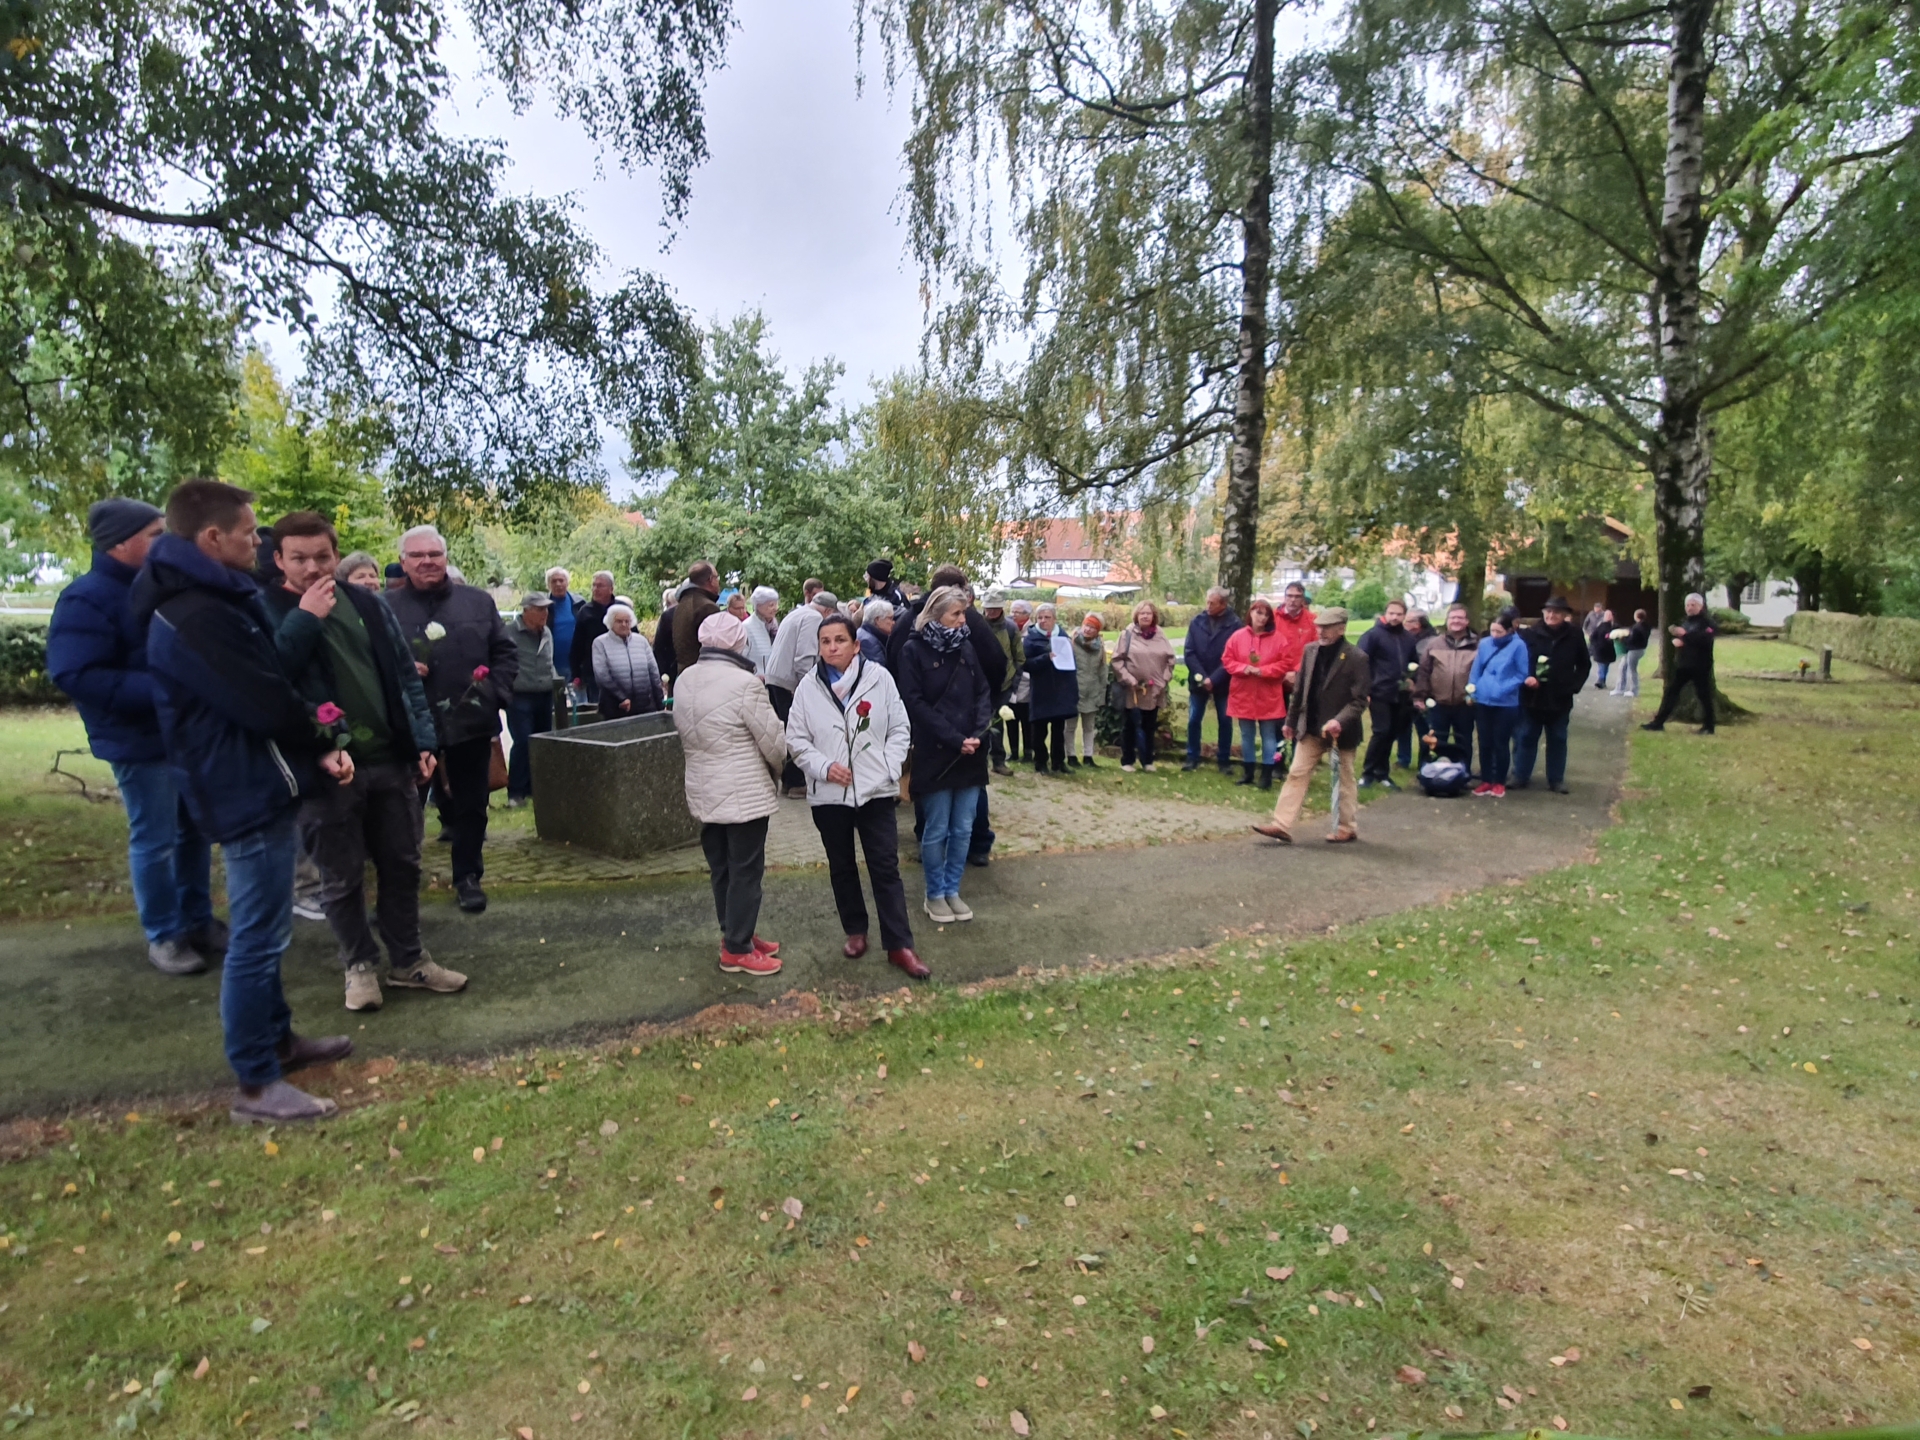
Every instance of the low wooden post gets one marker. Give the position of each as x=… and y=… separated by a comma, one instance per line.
x=1826, y=662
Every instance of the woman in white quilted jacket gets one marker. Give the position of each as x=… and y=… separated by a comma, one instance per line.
x=735, y=746
x=849, y=733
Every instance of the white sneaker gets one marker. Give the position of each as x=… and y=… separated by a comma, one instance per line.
x=958, y=910
x=308, y=909
x=938, y=911
x=1147, y=766
x=1127, y=769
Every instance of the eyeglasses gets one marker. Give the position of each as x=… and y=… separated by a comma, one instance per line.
x=423, y=554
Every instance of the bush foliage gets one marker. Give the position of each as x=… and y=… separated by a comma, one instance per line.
x=23, y=666
x=1883, y=641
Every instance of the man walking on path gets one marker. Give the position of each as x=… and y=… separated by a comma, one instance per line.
x=243, y=747
x=1207, y=678
x=699, y=598
x=468, y=662
x=1692, y=665
x=340, y=644
x=1390, y=659
x=1557, y=668
x=1324, y=714
x=97, y=654
x=589, y=624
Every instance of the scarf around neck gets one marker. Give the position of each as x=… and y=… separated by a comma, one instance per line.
x=943, y=638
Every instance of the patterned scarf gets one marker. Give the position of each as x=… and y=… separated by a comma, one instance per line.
x=944, y=639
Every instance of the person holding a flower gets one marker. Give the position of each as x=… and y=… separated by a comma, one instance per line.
x=1558, y=666
x=848, y=732
x=467, y=662
x=345, y=653
x=1392, y=661
x=1499, y=670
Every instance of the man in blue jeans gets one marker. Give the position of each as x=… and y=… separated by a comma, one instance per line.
x=1207, y=678
x=242, y=746
x=98, y=655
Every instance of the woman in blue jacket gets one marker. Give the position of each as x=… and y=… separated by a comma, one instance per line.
x=1499, y=670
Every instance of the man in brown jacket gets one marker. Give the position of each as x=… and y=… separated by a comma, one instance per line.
x=1324, y=713
x=699, y=598
x=1440, y=686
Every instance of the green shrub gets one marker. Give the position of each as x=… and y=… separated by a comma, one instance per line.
x=23, y=665
x=1115, y=616
x=1729, y=622
x=1883, y=641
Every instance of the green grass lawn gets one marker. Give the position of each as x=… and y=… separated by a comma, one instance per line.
x=1629, y=1147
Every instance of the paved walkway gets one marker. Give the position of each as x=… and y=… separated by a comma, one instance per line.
x=83, y=1017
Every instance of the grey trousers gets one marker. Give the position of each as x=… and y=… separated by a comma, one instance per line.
x=377, y=817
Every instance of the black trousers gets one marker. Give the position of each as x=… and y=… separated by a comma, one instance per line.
x=1670, y=697
x=791, y=777
x=879, y=836
x=1048, y=736
x=463, y=795
x=1390, y=719
x=1453, y=725
x=377, y=817
x=736, y=859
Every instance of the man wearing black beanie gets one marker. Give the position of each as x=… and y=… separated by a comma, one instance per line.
x=97, y=653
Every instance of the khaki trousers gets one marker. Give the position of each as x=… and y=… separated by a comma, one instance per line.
x=1308, y=751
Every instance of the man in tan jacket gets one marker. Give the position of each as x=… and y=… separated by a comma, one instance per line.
x=1324, y=713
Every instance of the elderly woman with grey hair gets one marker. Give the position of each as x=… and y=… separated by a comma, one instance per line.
x=762, y=625
x=624, y=667
x=874, y=630
x=1055, y=689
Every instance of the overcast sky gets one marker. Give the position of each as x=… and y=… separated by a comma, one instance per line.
x=795, y=211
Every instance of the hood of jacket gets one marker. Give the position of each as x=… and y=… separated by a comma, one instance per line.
x=174, y=566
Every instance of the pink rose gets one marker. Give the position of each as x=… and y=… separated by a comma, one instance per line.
x=480, y=672
x=329, y=714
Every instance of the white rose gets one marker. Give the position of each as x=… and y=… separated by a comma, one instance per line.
x=436, y=631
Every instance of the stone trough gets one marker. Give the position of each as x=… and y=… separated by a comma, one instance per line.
x=616, y=786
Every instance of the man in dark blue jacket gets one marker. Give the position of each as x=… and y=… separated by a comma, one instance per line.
x=1207, y=677
x=1392, y=657
x=98, y=655
x=243, y=747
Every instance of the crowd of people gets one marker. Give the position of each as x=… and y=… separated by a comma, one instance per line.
x=254, y=689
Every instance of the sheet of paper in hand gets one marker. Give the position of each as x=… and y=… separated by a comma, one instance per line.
x=1062, y=647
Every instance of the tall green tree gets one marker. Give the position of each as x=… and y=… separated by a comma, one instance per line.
x=301, y=153
x=1657, y=211
x=1135, y=141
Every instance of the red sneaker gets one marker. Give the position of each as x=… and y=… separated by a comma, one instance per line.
x=1483, y=788
x=751, y=963
x=1499, y=792
x=765, y=947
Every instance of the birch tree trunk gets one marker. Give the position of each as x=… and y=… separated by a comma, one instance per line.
x=1239, y=523
x=1682, y=456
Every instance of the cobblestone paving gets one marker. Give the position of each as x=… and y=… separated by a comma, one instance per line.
x=1030, y=816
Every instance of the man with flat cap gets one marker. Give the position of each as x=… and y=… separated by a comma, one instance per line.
x=1324, y=716
x=97, y=654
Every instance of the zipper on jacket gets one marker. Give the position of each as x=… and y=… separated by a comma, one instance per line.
x=286, y=772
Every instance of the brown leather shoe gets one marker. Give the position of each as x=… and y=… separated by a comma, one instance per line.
x=855, y=947
x=297, y=1052
x=1273, y=832
x=1342, y=837
x=911, y=963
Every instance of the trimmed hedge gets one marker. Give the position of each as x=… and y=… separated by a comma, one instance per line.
x=23, y=665
x=1882, y=641
x=1115, y=618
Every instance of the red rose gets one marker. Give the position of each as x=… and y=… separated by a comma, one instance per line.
x=480, y=672
x=863, y=709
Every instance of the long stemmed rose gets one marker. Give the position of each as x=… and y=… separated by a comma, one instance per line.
x=330, y=723
x=864, y=710
x=423, y=649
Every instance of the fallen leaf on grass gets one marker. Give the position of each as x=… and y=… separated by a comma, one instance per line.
x=1559, y=1422
x=1279, y=1272
x=1338, y=1235
x=1410, y=1375
x=1863, y=1344
x=1700, y=1392
x=200, y=1370
x=981, y=1381
x=916, y=1352
x=1454, y=1412
x=1146, y=1344
x=418, y=1342
x=1019, y=1424
x=752, y=1392
x=609, y=1128
x=791, y=1208
x=525, y=1432
x=1256, y=1344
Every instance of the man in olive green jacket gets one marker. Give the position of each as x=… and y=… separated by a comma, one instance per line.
x=1324, y=713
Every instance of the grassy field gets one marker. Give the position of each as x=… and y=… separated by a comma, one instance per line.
x=1629, y=1148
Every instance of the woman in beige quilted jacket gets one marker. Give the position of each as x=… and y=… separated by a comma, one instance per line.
x=735, y=747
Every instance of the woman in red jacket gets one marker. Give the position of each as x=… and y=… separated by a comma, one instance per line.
x=1258, y=658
